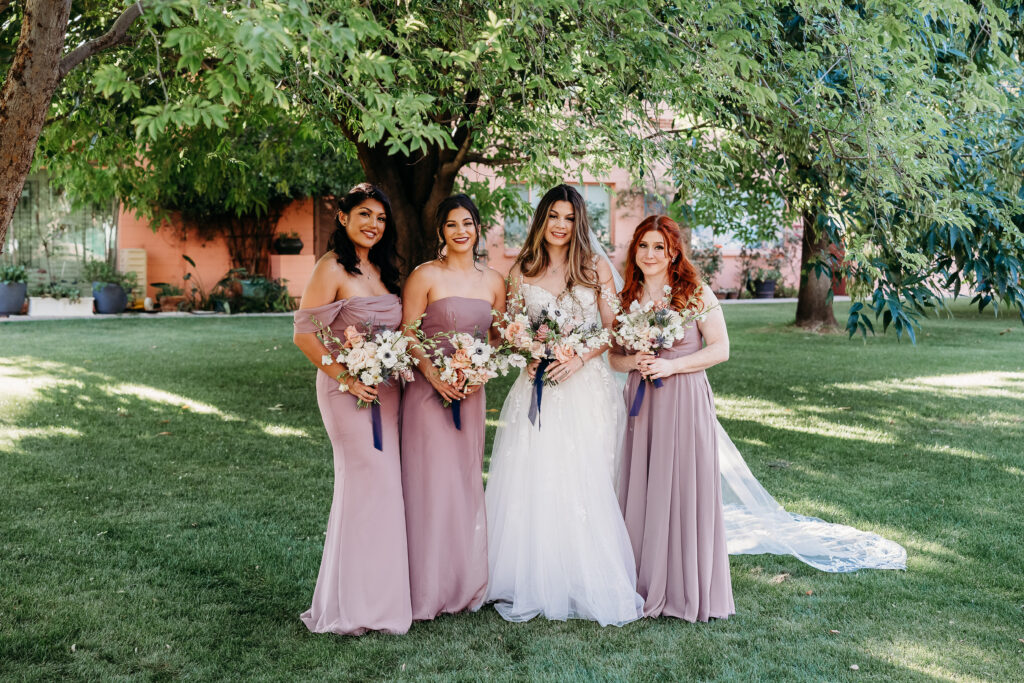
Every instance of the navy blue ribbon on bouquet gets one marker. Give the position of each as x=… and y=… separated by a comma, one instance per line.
x=378, y=431
x=638, y=398
x=457, y=413
x=538, y=392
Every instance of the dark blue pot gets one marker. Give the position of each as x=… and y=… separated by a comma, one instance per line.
x=110, y=298
x=12, y=297
x=764, y=289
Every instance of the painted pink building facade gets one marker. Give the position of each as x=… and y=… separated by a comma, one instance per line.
x=620, y=204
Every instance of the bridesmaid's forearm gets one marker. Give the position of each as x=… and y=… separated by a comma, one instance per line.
x=707, y=357
x=313, y=349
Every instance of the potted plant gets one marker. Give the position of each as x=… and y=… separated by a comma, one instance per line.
x=60, y=299
x=109, y=287
x=708, y=260
x=170, y=297
x=13, y=288
x=288, y=244
x=761, y=282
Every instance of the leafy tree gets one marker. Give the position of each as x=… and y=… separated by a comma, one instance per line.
x=863, y=136
x=835, y=107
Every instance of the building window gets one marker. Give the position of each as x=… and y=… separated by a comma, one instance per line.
x=53, y=238
x=596, y=196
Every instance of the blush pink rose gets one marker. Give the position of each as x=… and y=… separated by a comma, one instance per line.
x=352, y=337
x=461, y=358
x=542, y=332
x=564, y=353
x=513, y=330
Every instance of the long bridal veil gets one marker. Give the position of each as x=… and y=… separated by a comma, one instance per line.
x=755, y=523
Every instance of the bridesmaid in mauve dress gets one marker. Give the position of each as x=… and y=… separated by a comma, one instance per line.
x=669, y=487
x=441, y=464
x=363, y=584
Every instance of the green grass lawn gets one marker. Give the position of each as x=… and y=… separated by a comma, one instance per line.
x=166, y=484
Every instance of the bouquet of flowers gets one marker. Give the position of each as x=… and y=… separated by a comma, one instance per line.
x=372, y=355
x=651, y=328
x=470, y=361
x=551, y=335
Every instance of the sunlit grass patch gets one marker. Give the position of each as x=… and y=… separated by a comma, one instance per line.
x=166, y=486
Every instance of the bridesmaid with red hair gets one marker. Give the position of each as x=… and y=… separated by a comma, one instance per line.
x=669, y=487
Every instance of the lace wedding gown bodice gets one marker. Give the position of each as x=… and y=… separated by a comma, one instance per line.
x=557, y=544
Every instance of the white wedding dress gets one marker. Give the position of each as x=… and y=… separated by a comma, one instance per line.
x=557, y=544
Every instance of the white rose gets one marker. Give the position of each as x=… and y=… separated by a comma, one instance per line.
x=517, y=361
x=357, y=358
x=367, y=378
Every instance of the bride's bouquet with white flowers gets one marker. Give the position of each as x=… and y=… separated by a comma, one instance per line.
x=372, y=355
x=551, y=335
x=653, y=327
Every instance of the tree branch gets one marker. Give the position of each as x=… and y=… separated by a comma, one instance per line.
x=117, y=34
x=676, y=131
x=484, y=160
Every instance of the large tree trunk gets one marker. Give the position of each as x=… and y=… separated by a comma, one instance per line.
x=37, y=69
x=813, y=308
x=25, y=97
x=416, y=186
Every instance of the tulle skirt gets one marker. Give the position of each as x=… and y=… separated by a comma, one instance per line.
x=557, y=543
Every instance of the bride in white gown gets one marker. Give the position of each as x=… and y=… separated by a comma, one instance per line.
x=557, y=544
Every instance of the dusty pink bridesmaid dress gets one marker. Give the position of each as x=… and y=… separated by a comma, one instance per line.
x=442, y=480
x=363, y=583
x=671, y=496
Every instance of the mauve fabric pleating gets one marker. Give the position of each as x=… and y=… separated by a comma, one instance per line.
x=671, y=495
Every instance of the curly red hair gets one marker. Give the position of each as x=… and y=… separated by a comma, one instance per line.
x=682, y=274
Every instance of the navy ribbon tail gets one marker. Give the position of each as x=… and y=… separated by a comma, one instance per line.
x=378, y=432
x=538, y=392
x=457, y=413
x=638, y=399
x=658, y=383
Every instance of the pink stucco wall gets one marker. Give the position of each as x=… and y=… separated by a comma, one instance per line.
x=166, y=245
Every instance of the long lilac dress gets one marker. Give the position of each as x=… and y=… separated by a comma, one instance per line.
x=442, y=479
x=363, y=583
x=671, y=495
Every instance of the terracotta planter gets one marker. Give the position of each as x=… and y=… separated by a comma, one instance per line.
x=169, y=304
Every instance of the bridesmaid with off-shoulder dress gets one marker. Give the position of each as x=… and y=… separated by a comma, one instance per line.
x=669, y=485
x=441, y=463
x=363, y=583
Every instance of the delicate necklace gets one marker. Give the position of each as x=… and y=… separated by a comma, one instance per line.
x=650, y=295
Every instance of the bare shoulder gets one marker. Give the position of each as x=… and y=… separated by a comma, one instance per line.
x=424, y=274
x=325, y=282
x=707, y=296
x=494, y=278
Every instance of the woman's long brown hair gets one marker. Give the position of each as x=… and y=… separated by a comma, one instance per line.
x=682, y=275
x=533, y=257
